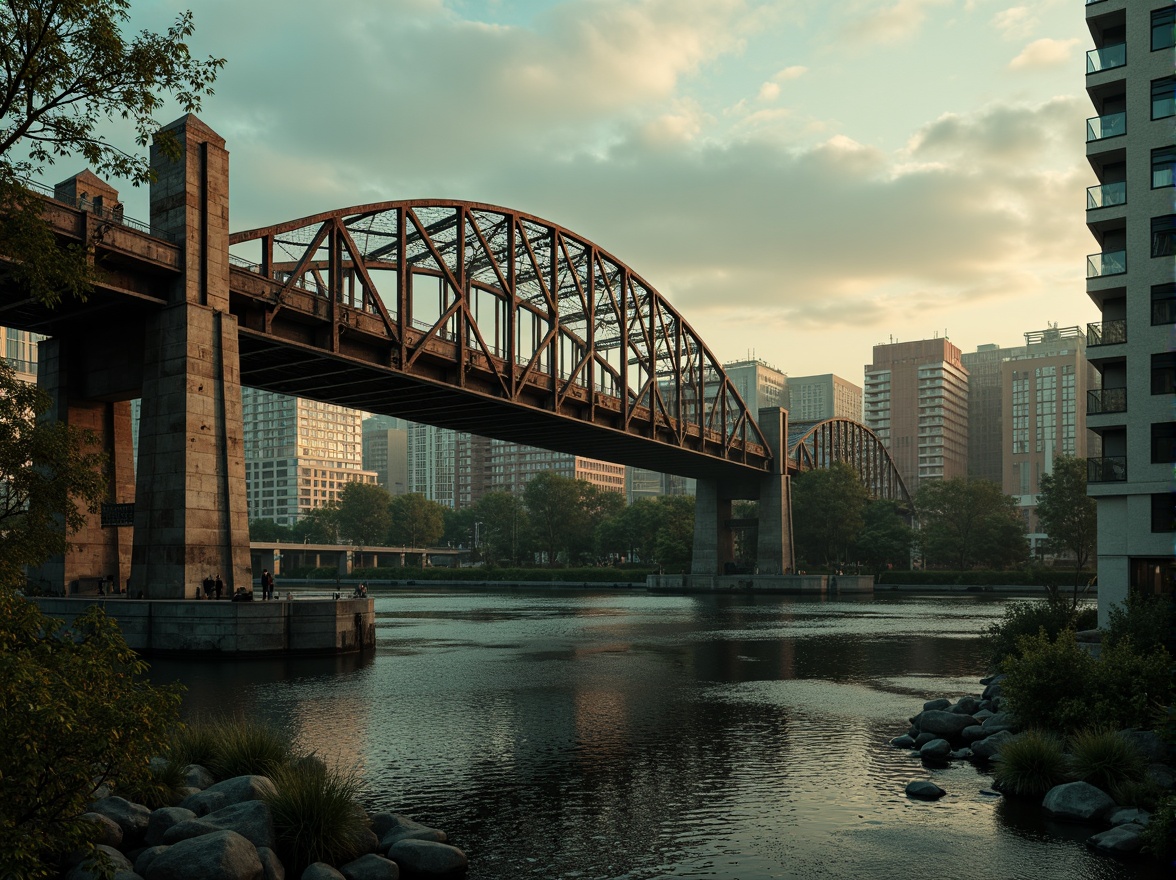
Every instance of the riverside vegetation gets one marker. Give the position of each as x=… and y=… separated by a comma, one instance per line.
x=1091, y=735
x=99, y=778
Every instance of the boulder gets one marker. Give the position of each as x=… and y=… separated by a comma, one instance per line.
x=998, y=722
x=196, y=776
x=428, y=858
x=941, y=723
x=903, y=742
x=144, y=859
x=992, y=686
x=382, y=823
x=924, y=790
x=988, y=748
x=932, y=705
x=961, y=755
x=992, y=692
x=321, y=871
x=1124, y=815
x=370, y=867
x=982, y=715
x=131, y=818
x=271, y=866
x=226, y=793
x=371, y=843
x=1151, y=745
x=1121, y=840
x=106, y=831
x=163, y=819
x=1162, y=775
x=225, y=855
x=966, y=706
x=1077, y=802
x=936, y=750
x=90, y=868
x=923, y=738
x=973, y=733
x=408, y=829
x=251, y=819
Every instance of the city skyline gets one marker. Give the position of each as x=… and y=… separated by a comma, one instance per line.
x=730, y=152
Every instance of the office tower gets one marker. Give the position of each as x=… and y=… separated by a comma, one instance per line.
x=432, y=463
x=759, y=384
x=510, y=466
x=20, y=352
x=1130, y=214
x=385, y=452
x=985, y=436
x=644, y=483
x=299, y=454
x=1043, y=392
x=814, y=398
x=916, y=401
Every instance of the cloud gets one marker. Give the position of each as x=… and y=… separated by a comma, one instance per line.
x=796, y=71
x=1044, y=53
x=769, y=91
x=892, y=23
x=1014, y=22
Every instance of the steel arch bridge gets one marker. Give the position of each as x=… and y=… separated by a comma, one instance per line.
x=469, y=299
x=818, y=444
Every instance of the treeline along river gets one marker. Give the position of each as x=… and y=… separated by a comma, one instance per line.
x=590, y=734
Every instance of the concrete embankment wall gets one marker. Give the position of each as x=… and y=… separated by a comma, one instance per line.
x=186, y=627
x=799, y=584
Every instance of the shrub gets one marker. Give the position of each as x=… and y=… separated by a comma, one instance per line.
x=316, y=816
x=1128, y=684
x=194, y=743
x=159, y=788
x=1048, y=683
x=75, y=711
x=244, y=746
x=1145, y=621
x=1159, y=837
x=1031, y=764
x=1106, y=760
x=1025, y=619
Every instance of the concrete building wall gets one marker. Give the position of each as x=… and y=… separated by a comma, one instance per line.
x=385, y=452
x=986, y=442
x=826, y=396
x=758, y=383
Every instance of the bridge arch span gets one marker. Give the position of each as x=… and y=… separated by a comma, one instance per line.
x=817, y=444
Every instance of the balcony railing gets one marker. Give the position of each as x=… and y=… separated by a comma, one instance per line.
x=1106, y=263
x=1109, y=469
x=1106, y=58
x=1106, y=195
x=1106, y=333
x=1099, y=127
x=1106, y=400
x=1163, y=311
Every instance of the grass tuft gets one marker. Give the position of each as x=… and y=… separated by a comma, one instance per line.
x=316, y=815
x=159, y=788
x=1107, y=761
x=1031, y=764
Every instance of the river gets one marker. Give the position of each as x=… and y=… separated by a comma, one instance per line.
x=598, y=734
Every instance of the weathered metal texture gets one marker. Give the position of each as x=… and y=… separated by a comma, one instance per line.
x=494, y=303
x=819, y=444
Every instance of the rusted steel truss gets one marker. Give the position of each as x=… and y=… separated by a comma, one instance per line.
x=819, y=444
x=503, y=304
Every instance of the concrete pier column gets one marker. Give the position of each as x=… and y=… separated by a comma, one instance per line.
x=191, y=519
x=714, y=545
x=774, y=548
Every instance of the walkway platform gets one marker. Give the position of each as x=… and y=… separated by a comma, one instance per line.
x=190, y=628
x=796, y=584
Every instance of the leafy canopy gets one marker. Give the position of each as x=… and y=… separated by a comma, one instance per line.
x=966, y=522
x=1067, y=514
x=827, y=513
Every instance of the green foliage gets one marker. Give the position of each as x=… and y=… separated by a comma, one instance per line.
x=75, y=712
x=1100, y=756
x=1145, y=621
x=316, y=817
x=364, y=514
x=1048, y=682
x=47, y=472
x=161, y=786
x=652, y=530
x=1031, y=764
x=1128, y=684
x=268, y=530
x=1067, y=514
x=504, y=528
x=416, y=521
x=979, y=577
x=65, y=69
x=885, y=539
x=1159, y=837
x=966, y=522
x=193, y=743
x=1001, y=639
x=827, y=513
x=245, y=746
x=318, y=526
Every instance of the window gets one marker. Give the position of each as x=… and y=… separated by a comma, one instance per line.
x=1163, y=373
x=1163, y=28
x=1163, y=512
x=1163, y=97
x=1163, y=297
x=1163, y=164
x=1163, y=442
x=1163, y=236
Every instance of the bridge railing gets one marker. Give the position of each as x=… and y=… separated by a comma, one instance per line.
x=114, y=214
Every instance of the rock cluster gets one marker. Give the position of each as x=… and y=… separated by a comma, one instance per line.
x=977, y=727
x=225, y=830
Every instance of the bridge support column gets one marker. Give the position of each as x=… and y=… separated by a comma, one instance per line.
x=191, y=518
x=95, y=552
x=774, y=549
x=714, y=544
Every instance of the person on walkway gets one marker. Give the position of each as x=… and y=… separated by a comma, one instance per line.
x=218, y=586
x=267, y=584
x=208, y=587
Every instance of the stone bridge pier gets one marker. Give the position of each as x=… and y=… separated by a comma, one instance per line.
x=714, y=542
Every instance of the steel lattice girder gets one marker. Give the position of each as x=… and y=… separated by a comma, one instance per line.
x=819, y=444
x=499, y=304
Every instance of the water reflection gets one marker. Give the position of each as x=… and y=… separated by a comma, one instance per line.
x=601, y=735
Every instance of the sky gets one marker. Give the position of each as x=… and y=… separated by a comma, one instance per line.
x=801, y=179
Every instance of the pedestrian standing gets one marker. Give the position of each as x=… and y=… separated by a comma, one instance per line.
x=267, y=584
x=218, y=586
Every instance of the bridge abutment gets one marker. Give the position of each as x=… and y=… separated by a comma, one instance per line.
x=774, y=549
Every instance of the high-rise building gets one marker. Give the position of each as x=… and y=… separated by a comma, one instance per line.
x=510, y=466
x=1044, y=391
x=385, y=452
x=299, y=454
x=643, y=483
x=759, y=384
x=1130, y=213
x=985, y=437
x=814, y=398
x=432, y=463
x=916, y=401
x=20, y=352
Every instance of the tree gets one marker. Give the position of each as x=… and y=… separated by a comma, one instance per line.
x=76, y=712
x=965, y=522
x=1067, y=514
x=268, y=530
x=416, y=521
x=504, y=526
x=65, y=70
x=49, y=480
x=827, y=506
x=319, y=525
x=364, y=515
x=673, y=547
x=553, y=508
x=885, y=539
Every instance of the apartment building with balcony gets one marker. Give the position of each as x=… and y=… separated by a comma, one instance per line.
x=1131, y=278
